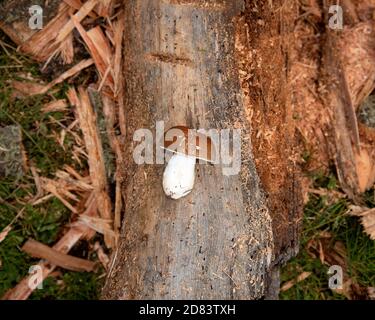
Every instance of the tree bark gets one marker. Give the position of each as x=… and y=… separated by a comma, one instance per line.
x=217, y=242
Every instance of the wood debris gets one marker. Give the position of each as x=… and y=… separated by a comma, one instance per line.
x=105, y=8
x=77, y=4
x=87, y=119
x=62, y=190
x=331, y=82
x=32, y=88
x=55, y=106
x=102, y=256
x=100, y=56
x=289, y=284
x=367, y=218
x=67, y=50
x=23, y=289
x=330, y=253
x=105, y=47
x=102, y=226
x=67, y=74
x=42, y=45
x=83, y=11
x=39, y=250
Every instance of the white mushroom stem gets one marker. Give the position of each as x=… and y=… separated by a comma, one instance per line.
x=179, y=175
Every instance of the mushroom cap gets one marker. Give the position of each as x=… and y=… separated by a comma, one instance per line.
x=198, y=145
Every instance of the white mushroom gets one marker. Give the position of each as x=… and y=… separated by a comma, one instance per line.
x=179, y=174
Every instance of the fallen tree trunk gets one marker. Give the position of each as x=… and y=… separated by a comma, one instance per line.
x=264, y=67
x=219, y=242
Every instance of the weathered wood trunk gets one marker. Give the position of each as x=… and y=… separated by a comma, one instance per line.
x=217, y=242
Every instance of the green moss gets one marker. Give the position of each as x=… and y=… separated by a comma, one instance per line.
x=72, y=286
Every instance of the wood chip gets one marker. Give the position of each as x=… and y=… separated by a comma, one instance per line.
x=40, y=250
x=88, y=125
x=28, y=88
x=31, y=88
x=67, y=50
x=101, y=44
x=96, y=53
x=104, y=8
x=365, y=169
x=43, y=43
x=69, y=73
x=118, y=31
x=103, y=258
x=79, y=185
x=55, y=106
x=102, y=226
x=77, y=4
x=289, y=284
x=84, y=10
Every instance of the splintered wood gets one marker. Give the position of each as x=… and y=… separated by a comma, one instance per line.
x=348, y=85
x=41, y=45
x=87, y=119
x=79, y=16
x=39, y=250
x=331, y=79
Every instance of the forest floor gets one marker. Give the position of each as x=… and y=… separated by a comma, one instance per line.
x=329, y=234
x=44, y=222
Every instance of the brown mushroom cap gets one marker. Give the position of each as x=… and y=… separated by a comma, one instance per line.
x=199, y=145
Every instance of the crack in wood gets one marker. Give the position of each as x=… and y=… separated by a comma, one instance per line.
x=171, y=58
x=201, y=4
